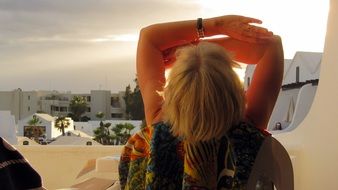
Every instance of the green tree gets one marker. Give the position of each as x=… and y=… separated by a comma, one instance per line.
x=100, y=115
x=102, y=133
x=61, y=123
x=134, y=103
x=128, y=100
x=122, y=132
x=129, y=127
x=33, y=129
x=78, y=106
x=118, y=135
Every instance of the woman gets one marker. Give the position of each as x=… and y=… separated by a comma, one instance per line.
x=204, y=130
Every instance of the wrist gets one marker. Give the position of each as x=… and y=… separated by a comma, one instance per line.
x=200, y=28
x=209, y=27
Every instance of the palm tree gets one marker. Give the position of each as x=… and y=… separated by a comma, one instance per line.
x=35, y=131
x=118, y=135
x=99, y=133
x=100, y=115
x=129, y=127
x=102, y=133
x=78, y=106
x=61, y=123
x=107, y=138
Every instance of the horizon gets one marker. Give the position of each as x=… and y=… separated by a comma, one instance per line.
x=85, y=45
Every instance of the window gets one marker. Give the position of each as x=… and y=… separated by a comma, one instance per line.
x=29, y=108
x=88, y=98
x=63, y=109
x=115, y=102
x=29, y=97
x=88, y=109
x=54, y=108
x=116, y=115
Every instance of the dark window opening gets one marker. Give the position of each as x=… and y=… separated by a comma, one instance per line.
x=63, y=109
x=297, y=74
x=54, y=108
x=116, y=115
x=115, y=102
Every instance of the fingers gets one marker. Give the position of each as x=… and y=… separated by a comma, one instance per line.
x=263, y=30
x=256, y=31
x=252, y=34
x=248, y=20
x=240, y=28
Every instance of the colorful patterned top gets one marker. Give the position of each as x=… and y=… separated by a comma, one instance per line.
x=166, y=162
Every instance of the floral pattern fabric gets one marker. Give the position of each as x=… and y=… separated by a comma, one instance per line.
x=166, y=162
x=134, y=159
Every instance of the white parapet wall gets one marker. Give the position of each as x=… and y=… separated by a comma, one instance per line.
x=59, y=165
x=313, y=144
x=8, y=127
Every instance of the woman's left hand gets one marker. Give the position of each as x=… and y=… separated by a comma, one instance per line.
x=240, y=28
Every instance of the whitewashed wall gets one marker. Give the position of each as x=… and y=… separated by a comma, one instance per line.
x=313, y=144
x=8, y=127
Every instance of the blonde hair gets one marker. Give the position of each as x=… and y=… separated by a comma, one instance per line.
x=203, y=95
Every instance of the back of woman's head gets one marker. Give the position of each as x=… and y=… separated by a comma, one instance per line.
x=203, y=96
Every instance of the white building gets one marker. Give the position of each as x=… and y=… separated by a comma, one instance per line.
x=25, y=103
x=111, y=104
x=21, y=103
x=47, y=124
x=301, y=76
x=8, y=127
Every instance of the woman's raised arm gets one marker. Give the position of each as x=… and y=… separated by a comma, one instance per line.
x=155, y=39
x=263, y=91
x=267, y=79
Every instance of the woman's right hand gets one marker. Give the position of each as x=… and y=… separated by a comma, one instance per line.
x=240, y=28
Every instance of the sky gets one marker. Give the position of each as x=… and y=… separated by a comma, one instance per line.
x=83, y=45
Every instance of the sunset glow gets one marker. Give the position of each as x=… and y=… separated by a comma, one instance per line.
x=74, y=37
x=118, y=38
x=300, y=23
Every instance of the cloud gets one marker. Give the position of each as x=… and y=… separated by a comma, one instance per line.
x=118, y=38
x=82, y=18
x=41, y=37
